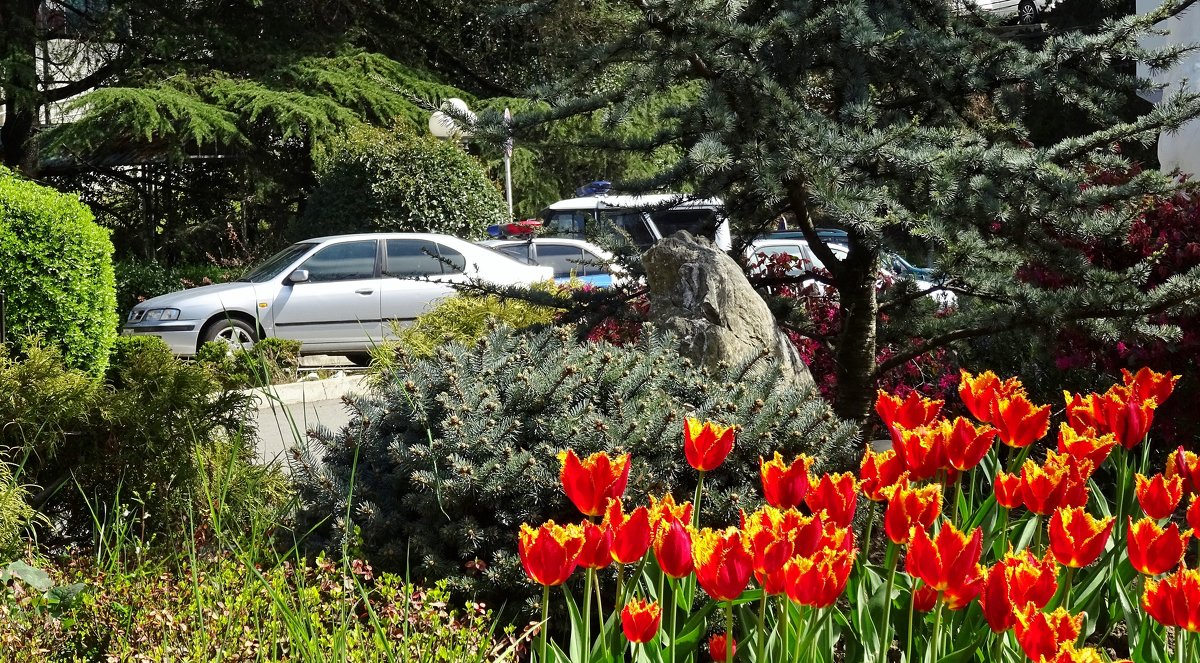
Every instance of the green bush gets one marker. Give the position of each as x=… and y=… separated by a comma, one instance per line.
x=57, y=272
x=379, y=181
x=91, y=446
x=138, y=281
x=462, y=318
x=270, y=361
x=450, y=454
x=15, y=512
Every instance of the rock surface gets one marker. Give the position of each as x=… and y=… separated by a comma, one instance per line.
x=701, y=295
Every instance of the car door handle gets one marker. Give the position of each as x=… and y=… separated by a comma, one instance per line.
x=365, y=291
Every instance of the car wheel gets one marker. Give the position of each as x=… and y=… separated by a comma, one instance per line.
x=360, y=359
x=234, y=332
x=1027, y=12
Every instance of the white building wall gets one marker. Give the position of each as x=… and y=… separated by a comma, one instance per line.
x=1181, y=149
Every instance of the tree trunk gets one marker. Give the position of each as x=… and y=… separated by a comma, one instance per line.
x=18, y=62
x=856, y=343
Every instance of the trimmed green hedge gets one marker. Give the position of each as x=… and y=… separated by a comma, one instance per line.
x=56, y=271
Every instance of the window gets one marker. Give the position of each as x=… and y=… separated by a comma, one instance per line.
x=452, y=261
x=567, y=223
x=342, y=262
x=699, y=222
x=631, y=223
x=563, y=258
x=277, y=263
x=518, y=252
x=419, y=257
x=597, y=265
x=412, y=257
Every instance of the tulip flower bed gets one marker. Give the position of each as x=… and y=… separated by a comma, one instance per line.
x=996, y=550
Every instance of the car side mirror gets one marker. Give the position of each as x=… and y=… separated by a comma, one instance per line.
x=298, y=276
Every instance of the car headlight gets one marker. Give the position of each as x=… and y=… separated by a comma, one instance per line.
x=162, y=314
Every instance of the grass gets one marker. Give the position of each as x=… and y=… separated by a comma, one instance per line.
x=233, y=585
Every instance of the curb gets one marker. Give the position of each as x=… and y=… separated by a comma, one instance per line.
x=308, y=391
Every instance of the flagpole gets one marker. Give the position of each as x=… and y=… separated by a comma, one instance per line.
x=508, y=149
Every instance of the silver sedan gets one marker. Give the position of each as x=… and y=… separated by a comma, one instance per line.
x=337, y=295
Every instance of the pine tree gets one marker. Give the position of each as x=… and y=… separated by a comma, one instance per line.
x=902, y=117
x=442, y=463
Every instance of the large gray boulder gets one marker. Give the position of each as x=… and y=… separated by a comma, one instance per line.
x=699, y=293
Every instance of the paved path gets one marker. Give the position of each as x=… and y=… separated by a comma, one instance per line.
x=287, y=411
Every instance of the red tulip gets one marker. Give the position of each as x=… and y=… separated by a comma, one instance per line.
x=968, y=444
x=1146, y=384
x=912, y=411
x=597, y=546
x=819, y=580
x=706, y=444
x=1008, y=490
x=673, y=549
x=550, y=552
x=1154, y=550
x=979, y=392
x=924, y=598
x=590, y=483
x=1193, y=515
x=1159, y=496
x=630, y=532
x=723, y=562
x=1018, y=579
x=1185, y=465
x=784, y=485
x=1175, y=600
x=836, y=495
x=922, y=450
x=945, y=559
x=1085, y=444
x=640, y=620
x=911, y=507
x=722, y=647
x=1018, y=422
x=1042, y=634
x=1076, y=538
x=880, y=471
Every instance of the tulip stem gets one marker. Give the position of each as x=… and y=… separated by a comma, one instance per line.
x=785, y=612
x=1067, y=580
x=1179, y=640
x=885, y=642
x=587, y=610
x=762, y=628
x=866, y=555
x=912, y=607
x=600, y=614
x=801, y=631
x=953, y=503
x=545, y=623
x=728, y=630
x=696, y=501
x=674, y=612
x=998, y=645
x=937, y=630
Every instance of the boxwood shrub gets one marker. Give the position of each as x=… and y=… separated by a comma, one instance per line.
x=57, y=272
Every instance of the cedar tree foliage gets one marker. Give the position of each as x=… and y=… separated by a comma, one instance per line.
x=888, y=117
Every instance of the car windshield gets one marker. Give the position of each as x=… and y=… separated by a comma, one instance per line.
x=277, y=263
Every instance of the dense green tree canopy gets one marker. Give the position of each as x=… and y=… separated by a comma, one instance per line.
x=883, y=116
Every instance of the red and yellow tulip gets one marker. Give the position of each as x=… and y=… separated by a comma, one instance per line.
x=723, y=562
x=706, y=444
x=1076, y=538
x=911, y=507
x=785, y=484
x=640, y=620
x=550, y=553
x=1154, y=550
x=591, y=482
x=1158, y=495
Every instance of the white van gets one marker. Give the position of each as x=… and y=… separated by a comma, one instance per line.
x=645, y=219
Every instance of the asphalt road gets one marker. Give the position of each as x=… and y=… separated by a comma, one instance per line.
x=288, y=411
